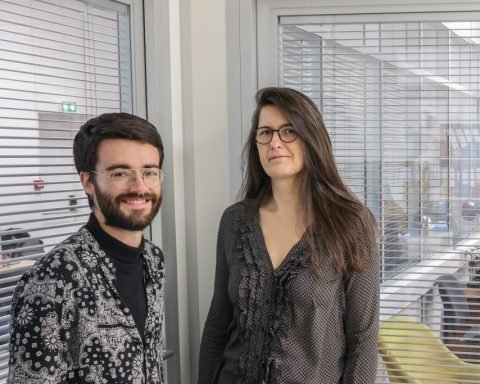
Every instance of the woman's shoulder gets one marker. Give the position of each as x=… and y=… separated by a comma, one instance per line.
x=241, y=208
x=242, y=212
x=365, y=224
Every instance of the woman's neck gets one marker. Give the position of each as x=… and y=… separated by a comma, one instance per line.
x=284, y=207
x=285, y=196
x=285, y=202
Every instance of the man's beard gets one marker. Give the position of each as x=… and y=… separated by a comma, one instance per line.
x=114, y=217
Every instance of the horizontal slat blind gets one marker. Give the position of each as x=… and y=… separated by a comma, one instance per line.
x=401, y=103
x=51, y=53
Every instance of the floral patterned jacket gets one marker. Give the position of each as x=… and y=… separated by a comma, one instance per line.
x=69, y=324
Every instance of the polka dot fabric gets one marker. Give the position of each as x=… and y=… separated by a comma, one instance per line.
x=286, y=326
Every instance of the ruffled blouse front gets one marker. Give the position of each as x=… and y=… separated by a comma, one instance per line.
x=272, y=326
x=263, y=301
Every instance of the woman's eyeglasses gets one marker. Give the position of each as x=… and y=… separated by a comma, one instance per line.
x=265, y=135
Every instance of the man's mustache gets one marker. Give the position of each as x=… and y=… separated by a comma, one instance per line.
x=146, y=196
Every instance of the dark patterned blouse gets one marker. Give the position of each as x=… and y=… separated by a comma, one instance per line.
x=286, y=326
x=69, y=324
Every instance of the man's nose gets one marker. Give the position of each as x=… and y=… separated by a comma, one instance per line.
x=138, y=183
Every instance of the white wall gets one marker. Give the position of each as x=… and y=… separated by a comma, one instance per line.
x=208, y=127
x=187, y=100
x=206, y=149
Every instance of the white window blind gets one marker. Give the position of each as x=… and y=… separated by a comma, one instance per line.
x=61, y=62
x=400, y=98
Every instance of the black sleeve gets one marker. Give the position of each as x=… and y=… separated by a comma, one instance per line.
x=215, y=333
x=361, y=322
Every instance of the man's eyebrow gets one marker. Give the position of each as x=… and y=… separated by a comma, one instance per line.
x=117, y=166
x=124, y=166
x=151, y=166
x=281, y=126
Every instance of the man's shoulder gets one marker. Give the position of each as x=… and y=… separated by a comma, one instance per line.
x=153, y=249
x=155, y=261
x=64, y=257
x=77, y=242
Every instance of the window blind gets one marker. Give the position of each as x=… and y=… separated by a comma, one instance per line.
x=61, y=62
x=399, y=95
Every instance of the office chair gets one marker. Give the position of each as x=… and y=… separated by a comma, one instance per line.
x=473, y=267
x=414, y=354
x=23, y=246
x=456, y=310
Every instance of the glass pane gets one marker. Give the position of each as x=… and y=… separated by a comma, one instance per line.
x=401, y=103
x=60, y=64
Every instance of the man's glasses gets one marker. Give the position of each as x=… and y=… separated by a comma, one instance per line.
x=126, y=178
x=265, y=135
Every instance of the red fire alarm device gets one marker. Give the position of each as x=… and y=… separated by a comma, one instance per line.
x=38, y=184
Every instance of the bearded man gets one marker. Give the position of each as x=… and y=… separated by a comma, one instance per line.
x=92, y=309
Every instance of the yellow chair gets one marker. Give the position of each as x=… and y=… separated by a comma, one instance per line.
x=414, y=354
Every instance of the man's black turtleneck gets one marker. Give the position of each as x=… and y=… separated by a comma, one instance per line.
x=129, y=271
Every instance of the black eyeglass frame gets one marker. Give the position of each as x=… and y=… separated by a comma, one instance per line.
x=279, y=130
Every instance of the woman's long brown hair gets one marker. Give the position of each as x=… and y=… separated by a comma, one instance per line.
x=334, y=211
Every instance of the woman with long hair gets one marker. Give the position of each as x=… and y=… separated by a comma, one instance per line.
x=296, y=292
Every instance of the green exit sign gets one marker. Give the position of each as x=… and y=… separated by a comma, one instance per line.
x=68, y=106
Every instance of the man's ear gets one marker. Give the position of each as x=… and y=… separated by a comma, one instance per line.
x=86, y=180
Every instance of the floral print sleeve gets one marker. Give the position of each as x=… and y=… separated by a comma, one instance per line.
x=40, y=325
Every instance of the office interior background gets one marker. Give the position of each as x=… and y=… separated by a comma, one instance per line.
x=398, y=83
